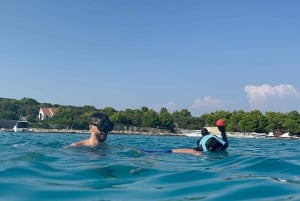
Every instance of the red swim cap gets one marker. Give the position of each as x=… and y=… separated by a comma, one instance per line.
x=220, y=122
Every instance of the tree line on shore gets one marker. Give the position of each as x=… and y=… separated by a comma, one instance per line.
x=78, y=117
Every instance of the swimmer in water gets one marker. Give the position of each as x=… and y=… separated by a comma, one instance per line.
x=208, y=142
x=100, y=126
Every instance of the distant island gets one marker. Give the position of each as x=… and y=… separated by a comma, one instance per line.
x=144, y=120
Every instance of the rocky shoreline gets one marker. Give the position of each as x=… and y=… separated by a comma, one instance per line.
x=130, y=132
x=73, y=131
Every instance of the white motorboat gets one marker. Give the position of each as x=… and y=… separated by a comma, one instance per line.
x=288, y=136
x=258, y=135
x=21, y=126
x=271, y=135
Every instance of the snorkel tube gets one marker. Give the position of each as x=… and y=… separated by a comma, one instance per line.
x=220, y=122
x=221, y=127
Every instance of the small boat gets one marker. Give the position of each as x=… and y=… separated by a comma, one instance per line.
x=258, y=135
x=21, y=126
x=271, y=135
x=287, y=135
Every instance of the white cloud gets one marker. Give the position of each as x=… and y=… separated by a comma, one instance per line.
x=171, y=107
x=208, y=104
x=283, y=97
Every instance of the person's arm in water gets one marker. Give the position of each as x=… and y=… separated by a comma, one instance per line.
x=187, y=151
x=81, y=143
x=195, y=151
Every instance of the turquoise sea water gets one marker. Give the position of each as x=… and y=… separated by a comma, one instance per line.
x=37, y=166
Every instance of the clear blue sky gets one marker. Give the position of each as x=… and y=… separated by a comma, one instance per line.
x=200, y=55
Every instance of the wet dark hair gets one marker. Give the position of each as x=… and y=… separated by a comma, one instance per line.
x=102, y=122
x=204, y=131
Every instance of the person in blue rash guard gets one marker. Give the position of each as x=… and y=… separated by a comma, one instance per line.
x=208, y=142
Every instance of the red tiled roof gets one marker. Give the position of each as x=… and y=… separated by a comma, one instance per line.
x=49, y=111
